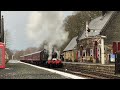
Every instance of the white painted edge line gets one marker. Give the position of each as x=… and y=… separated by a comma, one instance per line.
x=58, y=72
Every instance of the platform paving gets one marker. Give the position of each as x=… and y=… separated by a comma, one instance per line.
x=16, y=70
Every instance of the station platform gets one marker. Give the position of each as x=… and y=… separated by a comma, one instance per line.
x=20, y=70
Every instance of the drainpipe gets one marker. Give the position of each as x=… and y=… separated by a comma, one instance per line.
x=102, y=51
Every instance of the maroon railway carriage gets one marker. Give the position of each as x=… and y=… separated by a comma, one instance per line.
x=33, y=58
x=37, y=58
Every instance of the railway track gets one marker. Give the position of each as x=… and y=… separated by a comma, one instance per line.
x=91, y=75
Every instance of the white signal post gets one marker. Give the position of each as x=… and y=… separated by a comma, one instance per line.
x=102, y=49
x=12, y=57
x=86, y=32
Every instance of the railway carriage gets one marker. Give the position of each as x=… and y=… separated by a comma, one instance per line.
x=41, y=58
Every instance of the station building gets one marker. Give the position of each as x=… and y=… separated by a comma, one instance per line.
x=71, y=50
x=95, y=44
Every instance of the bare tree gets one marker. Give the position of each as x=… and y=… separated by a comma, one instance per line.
x=76, y=23
x=7, y=38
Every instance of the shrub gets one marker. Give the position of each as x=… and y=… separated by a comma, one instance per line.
x=75, y=60
x=66, y=60
x=91, y=59
x=70, y=60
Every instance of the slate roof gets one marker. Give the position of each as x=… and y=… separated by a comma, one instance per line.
x=97, y=24
x=71, y=45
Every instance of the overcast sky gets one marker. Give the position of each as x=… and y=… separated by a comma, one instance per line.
x=18, y=24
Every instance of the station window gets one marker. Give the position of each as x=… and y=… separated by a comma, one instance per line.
x=71, y=53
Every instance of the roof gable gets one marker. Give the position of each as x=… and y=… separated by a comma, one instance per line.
x=71, y=44
x=97, y=24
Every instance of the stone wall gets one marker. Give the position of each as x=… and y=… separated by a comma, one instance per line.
x=90, y=68
x=70, y=55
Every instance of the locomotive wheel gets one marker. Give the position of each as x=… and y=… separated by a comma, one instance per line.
x=51, y=66
x=48, y=65
x=56, y=65
x=60, y=65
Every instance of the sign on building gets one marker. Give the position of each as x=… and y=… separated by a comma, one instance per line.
x=112, y=57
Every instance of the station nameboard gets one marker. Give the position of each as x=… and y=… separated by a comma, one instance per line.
x=112, y=57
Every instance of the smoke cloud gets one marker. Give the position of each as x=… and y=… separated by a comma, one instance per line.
x=46, y=26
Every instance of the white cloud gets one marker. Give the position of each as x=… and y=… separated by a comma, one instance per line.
x=38, y=26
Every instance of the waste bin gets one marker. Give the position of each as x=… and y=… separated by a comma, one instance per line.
x=117, y=63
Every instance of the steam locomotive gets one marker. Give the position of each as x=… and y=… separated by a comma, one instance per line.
x=54, y=61
x=42, y=58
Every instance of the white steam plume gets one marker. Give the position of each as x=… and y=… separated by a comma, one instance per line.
x=46, y=26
